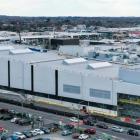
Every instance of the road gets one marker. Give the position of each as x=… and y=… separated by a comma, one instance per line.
x=48, y=117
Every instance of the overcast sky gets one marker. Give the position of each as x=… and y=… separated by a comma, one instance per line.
x=70, y=7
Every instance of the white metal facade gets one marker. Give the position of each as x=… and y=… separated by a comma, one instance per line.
x=69, y=75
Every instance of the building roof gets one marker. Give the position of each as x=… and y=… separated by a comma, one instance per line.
x=105, y=72
x=34, y=57
x=20, y=51
x=5, y=48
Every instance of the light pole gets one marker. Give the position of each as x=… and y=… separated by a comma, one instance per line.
x=88, y=107
x=79, y=112
x=22, y=97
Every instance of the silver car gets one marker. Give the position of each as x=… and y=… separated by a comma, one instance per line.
x=117, y=129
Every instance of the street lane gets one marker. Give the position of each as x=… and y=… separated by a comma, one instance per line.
x=48, y=117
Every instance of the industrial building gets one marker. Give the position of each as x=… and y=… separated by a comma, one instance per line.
x=98, y=85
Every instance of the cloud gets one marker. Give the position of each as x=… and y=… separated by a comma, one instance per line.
x=70, y=7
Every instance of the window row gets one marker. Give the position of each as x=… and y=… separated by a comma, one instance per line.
x=93, y=92
x=100, y=94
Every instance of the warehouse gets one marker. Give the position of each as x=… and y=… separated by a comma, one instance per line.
x=99, y=86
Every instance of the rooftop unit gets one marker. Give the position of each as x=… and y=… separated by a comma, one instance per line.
x=6, y=48
x=74, y=61
x=20, y=51
x=99, y=65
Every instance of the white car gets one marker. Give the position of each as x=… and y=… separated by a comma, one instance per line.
x=36, y=132
x=83, y=137
x=19, y=135
x=74, y=119
x=14, y=120
x=117, y=129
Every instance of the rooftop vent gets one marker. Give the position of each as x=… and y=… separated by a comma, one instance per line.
x=74, y=61
x=20, y=51
x=6, y=48
x=99, y=65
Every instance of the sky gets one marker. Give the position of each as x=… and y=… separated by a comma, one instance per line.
x=70, y=7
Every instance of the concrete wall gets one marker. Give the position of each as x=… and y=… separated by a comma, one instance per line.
x=130, y=76
x=3, y=72
x=4, y=52
x=99, y=83
x=16, y=74
x=86, y=82
x=128, y=88
x=75, y=50
x=69, y=78
x=27, y=76
x=20, y=75
x=44, y=79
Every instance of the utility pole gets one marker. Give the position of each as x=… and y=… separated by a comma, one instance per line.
x=79, y=112
x=22, y=97
x=18, y=31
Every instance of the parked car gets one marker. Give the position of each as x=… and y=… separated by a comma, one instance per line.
x=132, y=132
x=90, y=131
x=54, y=127
x=75, y=136
x=34, y=133
x=89, y=120
x=69, y=126
x=66, y=132
x=42, y=139
x=18, y=114
x=19, y=135
x=37, y=132
x=74, y=119
x=46, y=130
x=17, y=120
x=83, y=137
x=3, y=111
x=12, y=112
x=4, y=137
x=102, y=125
x=6, y=117
x=13, y=137
x=27, y=133
x=14, y=120
x=24, y=122
x=29, y=116
x=1, y=129
x=117, y=129
x=40, y=118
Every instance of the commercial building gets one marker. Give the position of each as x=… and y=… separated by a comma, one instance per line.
x=97, y=85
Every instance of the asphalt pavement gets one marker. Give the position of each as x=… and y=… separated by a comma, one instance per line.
x=48, y=118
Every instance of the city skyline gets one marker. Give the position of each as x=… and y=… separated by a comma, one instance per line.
x=113, y=8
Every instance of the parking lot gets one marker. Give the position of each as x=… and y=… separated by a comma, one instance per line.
x=52, y=118
x=56, y=136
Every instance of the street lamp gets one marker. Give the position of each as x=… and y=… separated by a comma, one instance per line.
x=79, y=110
x=22, y=97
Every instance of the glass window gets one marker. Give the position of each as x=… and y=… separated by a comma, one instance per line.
x=100, y=94
x=71, y=89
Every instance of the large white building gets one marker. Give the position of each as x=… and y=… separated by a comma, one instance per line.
x=69, y=82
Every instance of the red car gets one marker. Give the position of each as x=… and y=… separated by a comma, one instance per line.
x=90, y=131
x=75, y=136
x=1, y=129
